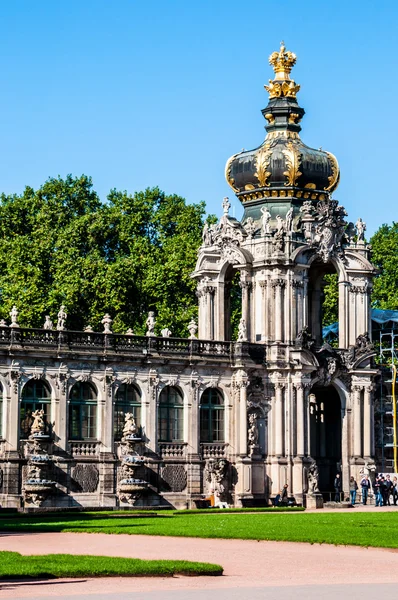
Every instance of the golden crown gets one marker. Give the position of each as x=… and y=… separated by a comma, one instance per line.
x=283, y=61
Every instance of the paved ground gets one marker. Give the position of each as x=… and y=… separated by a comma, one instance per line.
x=255, y=570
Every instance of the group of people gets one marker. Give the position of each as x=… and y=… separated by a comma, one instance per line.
x=383, y=487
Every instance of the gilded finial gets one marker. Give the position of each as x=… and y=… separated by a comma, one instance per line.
x=282, y=63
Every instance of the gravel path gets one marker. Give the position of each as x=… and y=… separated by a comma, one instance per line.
x=247, y=563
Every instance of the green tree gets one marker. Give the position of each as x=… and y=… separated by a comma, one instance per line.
x=385, y=257
x=330, y=304
x=135, y=253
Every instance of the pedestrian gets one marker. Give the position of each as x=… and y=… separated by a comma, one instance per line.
x=387, y=490
x=284, y=495
x=337, y=487
x=377, y=491
x=353, y=489
x=395, y=491
x=365, y=485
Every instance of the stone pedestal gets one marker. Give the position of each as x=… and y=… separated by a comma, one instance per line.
x=313, y=500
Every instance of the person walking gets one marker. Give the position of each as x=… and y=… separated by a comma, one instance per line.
x=387, y=490
x=377, y=491
x=337, y=487
x=365, y=485
x=353, y=489
x=395, y=490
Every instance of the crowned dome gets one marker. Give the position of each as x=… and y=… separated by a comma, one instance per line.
x=283, y=166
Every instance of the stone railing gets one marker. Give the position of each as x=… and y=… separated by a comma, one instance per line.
x=213, y=450
x=26, y=338
x=84, y=449
x=171, y=450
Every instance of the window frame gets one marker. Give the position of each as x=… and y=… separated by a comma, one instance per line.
x=215, y=417
x=126, y=406
x=85, y=409
x=172, y=414
x=34, y=402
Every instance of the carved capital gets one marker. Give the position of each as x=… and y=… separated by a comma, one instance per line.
x=278, y=283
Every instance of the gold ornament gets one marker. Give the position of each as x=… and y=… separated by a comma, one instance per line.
x=334, y=178
x=262, y=164
x=292, y=156
x=283, y=61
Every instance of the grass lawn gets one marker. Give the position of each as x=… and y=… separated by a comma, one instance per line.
x=361, y=529
x=14, y=565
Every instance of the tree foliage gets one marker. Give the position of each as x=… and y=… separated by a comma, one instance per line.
x=385, y=257
x=133, y=254
x=330, y=304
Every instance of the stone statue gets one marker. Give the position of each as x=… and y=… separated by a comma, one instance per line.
x=192, y=328
x=242, y=331
x=166, y=332
x=265, y=220
x=226, y=205
x=38, y=425
x=304, y=339
x=216, y=474
x=280, y=226
x=361, y=228
x=252, y=434
x=48, y=324
x=250, y=227
x=129, y=331
x=313, y=478
x=150, y=323
x=206, y=235
x=130, y=428
x=14, y=317
x=107, y=322
x=289, y=219
x=3, y=323
x=61, y=318
x=88, y=329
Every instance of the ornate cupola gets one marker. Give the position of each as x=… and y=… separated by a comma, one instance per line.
x=283, y=166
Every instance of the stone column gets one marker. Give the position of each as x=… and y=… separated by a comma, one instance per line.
x=357, y=446
x=367, y=422
x=300, y=419
x=307, y=418
x=322, y=431
x=63, y=410
x=150, y=410
x=13, y=416
x=278, y=285
x=264, y=310
x=246, y=287
x=205, y=293
x=279, y=433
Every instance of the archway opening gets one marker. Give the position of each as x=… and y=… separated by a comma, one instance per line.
x=322, y=298
x=325, y=434
x=232, y=303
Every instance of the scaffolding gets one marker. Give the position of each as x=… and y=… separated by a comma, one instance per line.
x=385, y=400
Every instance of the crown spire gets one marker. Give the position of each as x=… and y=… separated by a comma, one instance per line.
x=282, y=63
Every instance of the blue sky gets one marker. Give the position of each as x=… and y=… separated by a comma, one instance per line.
x=139, y=94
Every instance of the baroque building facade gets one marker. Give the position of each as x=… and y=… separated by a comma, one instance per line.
x=103, y=419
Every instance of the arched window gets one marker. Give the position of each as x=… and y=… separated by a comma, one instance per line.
x=83, y=412
x=212, y=416
x=128, y=400
x=171, y=413
x=36, y=395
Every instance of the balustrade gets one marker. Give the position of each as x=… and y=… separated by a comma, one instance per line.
x=84, y=448
x=83, y=340
x=213, y=450
x=172, y=450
